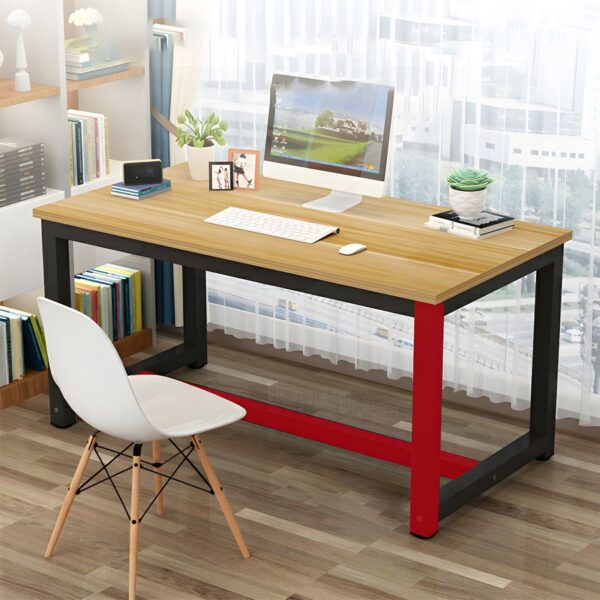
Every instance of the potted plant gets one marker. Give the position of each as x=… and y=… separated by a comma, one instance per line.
x=199, y=138
x=468, y=191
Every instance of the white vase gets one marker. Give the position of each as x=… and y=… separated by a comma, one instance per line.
x=467, y=205
x=198, y=159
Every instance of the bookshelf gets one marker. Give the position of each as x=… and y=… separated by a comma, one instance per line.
x=41, y=116
x=8, y=96
x=132, y=71
x=36, y=382
x=114, y=175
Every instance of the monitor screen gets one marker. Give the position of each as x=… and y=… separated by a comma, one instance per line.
x=342, y=126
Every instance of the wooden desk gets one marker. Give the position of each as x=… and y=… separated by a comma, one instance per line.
x=407, y=269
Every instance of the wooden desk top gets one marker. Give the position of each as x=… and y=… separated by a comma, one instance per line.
x=403, y=259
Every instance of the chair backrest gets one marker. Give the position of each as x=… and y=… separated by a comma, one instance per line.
x=88, y=370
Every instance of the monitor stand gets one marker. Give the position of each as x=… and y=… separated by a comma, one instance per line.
x=335, y=202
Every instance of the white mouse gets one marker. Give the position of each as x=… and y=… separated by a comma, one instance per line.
x=350, y=249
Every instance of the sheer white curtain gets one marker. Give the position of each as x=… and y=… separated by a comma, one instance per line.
x=513, y=87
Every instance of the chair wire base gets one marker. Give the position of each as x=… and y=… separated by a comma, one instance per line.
x=152, y=467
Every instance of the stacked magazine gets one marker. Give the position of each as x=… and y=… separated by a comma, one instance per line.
x=486, y=225
x=22, y=170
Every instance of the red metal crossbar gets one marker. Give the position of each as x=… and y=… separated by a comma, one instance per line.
x=375, y=445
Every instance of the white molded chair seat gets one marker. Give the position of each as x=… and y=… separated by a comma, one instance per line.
x=177, y=409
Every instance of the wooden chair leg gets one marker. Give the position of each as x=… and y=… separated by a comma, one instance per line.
x=71, y=493
x=158, y=482
x=134, y=515
x=220, y=496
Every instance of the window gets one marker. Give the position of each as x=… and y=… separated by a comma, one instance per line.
x=519, y=98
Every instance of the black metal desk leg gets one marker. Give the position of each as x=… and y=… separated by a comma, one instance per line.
x=194, y=315
x=57, y=286
x=546, y=337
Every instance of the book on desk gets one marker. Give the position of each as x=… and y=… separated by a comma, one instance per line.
x=487, y=224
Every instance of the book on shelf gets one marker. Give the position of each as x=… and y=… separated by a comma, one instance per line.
x=13, y=147
x=26, y=194
x=22, y=344
x=96, y=69
x=141, y=191
x=487, y=224
x=111, y=295
x=22, y=170
x=88, y=146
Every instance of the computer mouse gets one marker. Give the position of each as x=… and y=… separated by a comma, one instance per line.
x=350, y=249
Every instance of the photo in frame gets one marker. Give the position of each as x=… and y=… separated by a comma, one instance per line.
x=245, y=168
x=220, y=176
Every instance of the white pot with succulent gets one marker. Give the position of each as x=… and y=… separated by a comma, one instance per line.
x=199, y=138
x=468, y=191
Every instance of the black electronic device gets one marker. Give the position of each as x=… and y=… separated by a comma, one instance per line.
x=140, y=172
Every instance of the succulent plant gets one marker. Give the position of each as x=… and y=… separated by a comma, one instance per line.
x=468, y=179
x=199, y=133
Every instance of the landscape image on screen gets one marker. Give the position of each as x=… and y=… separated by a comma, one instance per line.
x=331, y=123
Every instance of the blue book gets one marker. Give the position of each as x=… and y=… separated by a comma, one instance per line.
x=9, y=349
x=33, y=354
x=168, y=294
x=158, y=286
x=127, y=296
x=141, y=189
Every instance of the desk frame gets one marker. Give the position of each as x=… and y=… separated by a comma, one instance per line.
x=429, y=503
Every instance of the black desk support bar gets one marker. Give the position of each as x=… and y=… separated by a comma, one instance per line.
x=538, y=443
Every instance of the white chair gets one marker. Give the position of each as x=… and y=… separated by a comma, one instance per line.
x=139, y=408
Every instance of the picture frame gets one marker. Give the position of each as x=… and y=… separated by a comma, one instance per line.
x=245, y=168
x=220, y=176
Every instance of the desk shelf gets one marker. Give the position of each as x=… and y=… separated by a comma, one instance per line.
x=36, y=382
x=8, y=96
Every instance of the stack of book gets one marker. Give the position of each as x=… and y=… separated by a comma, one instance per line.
x=485, y=225
x=111, y=295
x=88, y=146
x=22, y=170
x=83, y=61
x=22, y=344
x=139, y=192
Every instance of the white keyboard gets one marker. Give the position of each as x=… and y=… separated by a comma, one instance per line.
x=282, y=227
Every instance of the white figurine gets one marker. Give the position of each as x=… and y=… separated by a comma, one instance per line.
x=19, y=20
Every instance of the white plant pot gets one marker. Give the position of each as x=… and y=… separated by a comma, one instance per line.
x=467, y=205
x=198, y=159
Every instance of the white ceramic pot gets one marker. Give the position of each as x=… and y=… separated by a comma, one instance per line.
x=467, y=205
x=198, y=159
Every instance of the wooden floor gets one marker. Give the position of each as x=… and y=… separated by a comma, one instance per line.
x=321, y=524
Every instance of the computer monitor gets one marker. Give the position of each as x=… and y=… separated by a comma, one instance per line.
x=332, y=134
